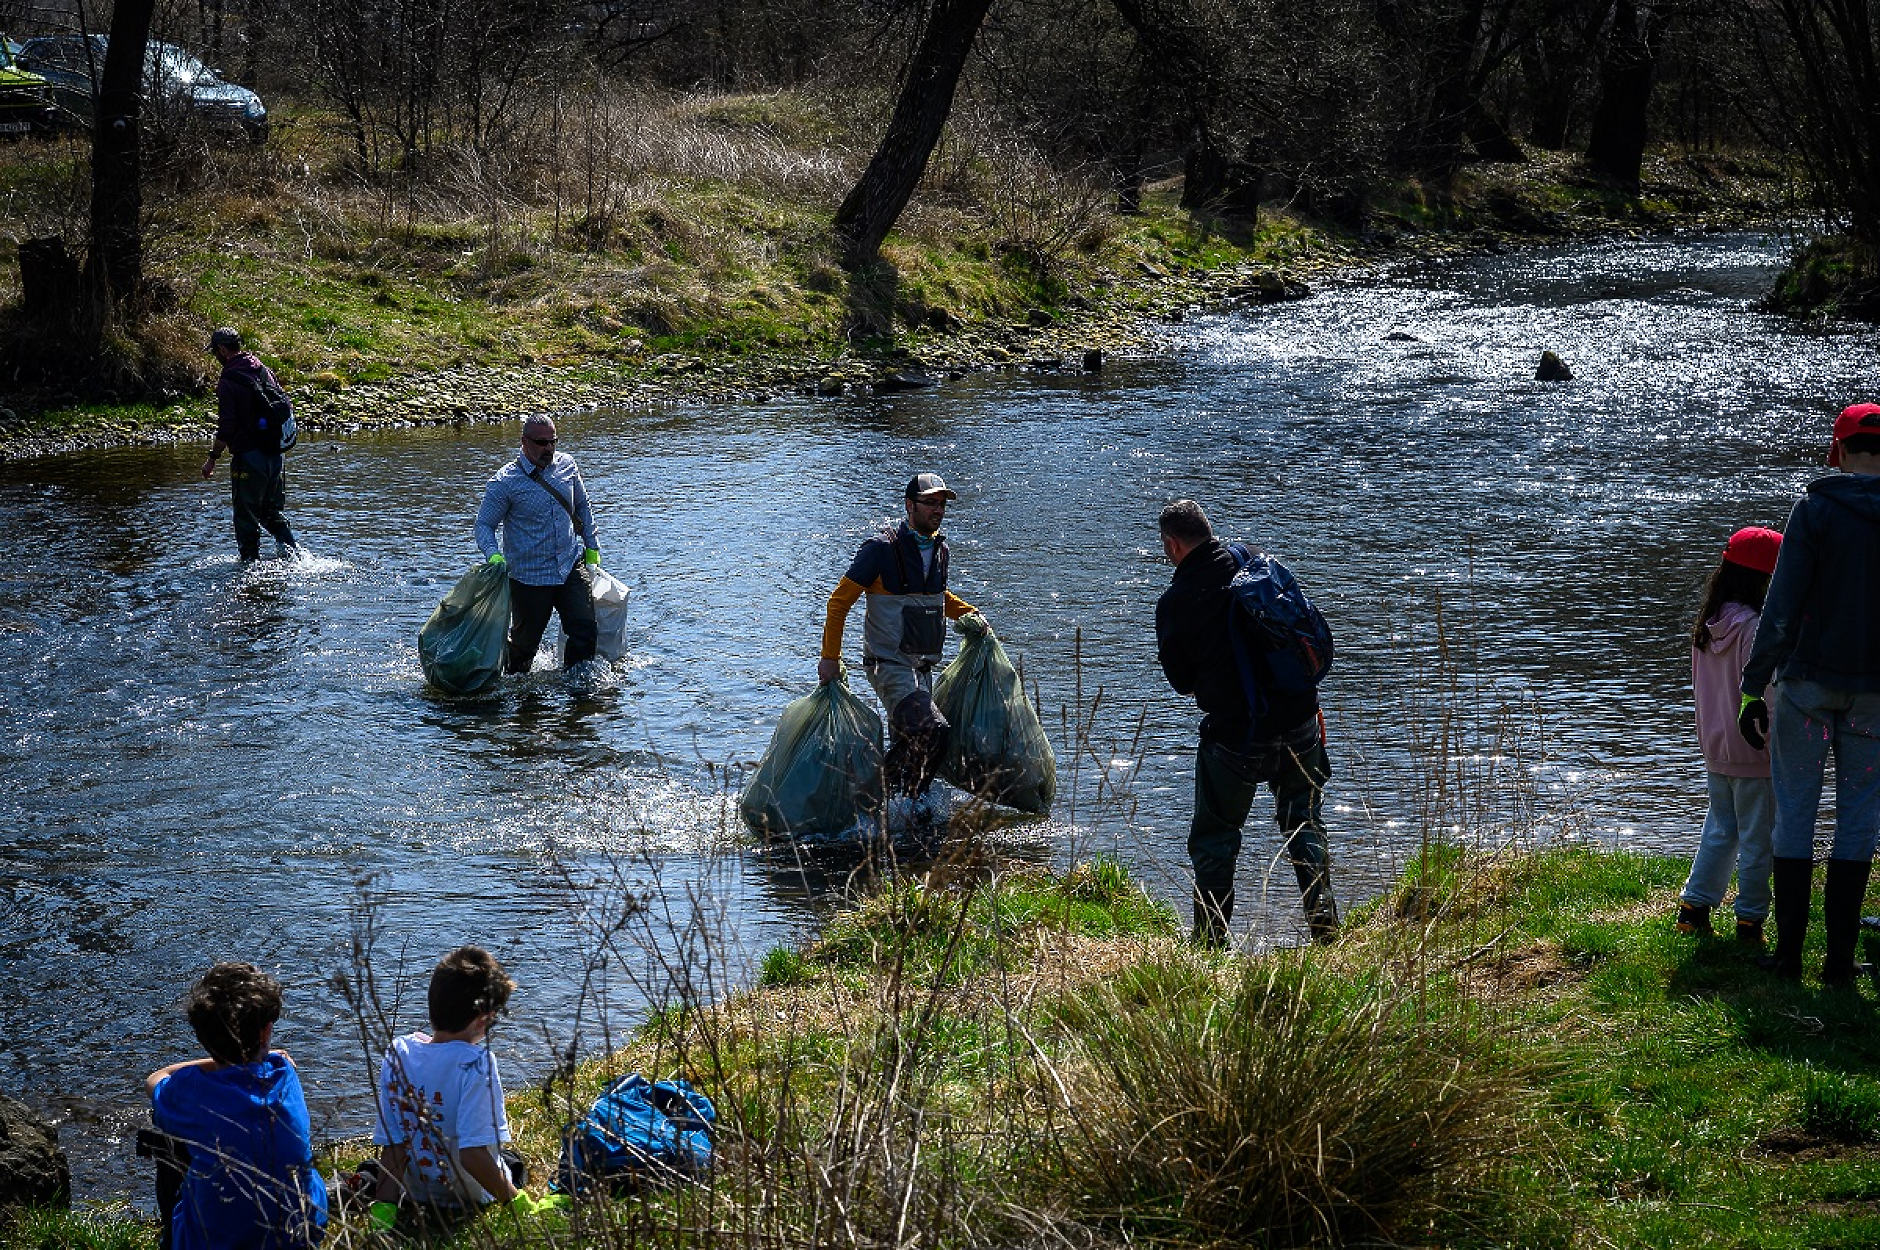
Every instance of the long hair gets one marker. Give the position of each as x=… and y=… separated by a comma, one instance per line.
x=1731, y=583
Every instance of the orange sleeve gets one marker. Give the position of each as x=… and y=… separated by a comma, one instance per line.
x=841, y=599
x=956, y=607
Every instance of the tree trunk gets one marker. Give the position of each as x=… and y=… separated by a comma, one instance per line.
x=115, y=265
x=1616, y=147
x=1491, y=139
x=49, y=284
x=874, y=205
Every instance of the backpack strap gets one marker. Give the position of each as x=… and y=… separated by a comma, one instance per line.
x=1250, y=685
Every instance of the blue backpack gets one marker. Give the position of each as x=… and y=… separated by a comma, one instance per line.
x=1281, y=640
x=638, y=1132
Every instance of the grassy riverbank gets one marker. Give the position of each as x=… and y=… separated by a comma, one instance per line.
x=678, y=246
x=1508, y=1050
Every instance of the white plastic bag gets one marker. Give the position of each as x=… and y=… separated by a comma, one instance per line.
x=610, y=616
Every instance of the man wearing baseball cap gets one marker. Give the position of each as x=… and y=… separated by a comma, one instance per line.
x=903, y=573
x=257, y=474
x=1820, y=641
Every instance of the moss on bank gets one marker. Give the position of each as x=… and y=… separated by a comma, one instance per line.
x=1507, y=1049
x=703, y=268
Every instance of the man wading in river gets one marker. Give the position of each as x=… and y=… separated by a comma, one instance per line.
x=541, y=505
x=1279, y=740
x=903, y=572
x=257, y=474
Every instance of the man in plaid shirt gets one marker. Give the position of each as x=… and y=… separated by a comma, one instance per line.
x=548, y=546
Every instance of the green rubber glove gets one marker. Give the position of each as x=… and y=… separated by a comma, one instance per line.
x=523, y=1205
x=384, y=1216
x=1752, y=721
x=592, y=556
x=496, y=558
x=974, y=625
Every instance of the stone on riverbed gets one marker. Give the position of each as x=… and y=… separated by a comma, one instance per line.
x=33, y=1170
x=1552, y=369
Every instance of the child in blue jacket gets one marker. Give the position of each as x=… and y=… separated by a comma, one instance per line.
x=242, y=1116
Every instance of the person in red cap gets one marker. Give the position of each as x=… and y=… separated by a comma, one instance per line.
x=1819, y=639
x=1742, y=813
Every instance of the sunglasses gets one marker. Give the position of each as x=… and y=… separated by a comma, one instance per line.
x=543, y=442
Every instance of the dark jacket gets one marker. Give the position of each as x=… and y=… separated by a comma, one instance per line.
x=1197, y=654
x=1821, y=621
x=237, y=404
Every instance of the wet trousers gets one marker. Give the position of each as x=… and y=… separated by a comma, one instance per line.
x=258, y=491
x=1296, y=768
x=529, y=609
x=917, y=733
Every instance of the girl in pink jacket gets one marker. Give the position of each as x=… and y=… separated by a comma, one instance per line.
x=1742, y=802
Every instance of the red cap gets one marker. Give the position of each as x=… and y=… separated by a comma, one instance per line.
x=1854, y=419
x=1754, y=548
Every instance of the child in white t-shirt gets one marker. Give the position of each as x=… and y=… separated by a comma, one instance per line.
x=441, y=1122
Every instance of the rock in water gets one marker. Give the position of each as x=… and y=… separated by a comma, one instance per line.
x=1552, y=369
x=33, y=1170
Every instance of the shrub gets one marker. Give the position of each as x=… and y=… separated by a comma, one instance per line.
x=1285, y=1110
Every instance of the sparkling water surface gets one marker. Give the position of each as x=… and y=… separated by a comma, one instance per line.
x=202, y=761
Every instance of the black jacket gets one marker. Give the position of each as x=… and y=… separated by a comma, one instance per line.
x=1192, y=641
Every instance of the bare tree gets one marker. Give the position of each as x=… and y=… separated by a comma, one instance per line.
x=1634, y=40
x=115, y=264
x=870, y=210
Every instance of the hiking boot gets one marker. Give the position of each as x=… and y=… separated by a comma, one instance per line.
x=1693, y=918
x=1749, y=932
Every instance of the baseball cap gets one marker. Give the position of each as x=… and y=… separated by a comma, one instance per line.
x=225, y=336
x=1854, y=419
x=929, y=484
x=1754, y=548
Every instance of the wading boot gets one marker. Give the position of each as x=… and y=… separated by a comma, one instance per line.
x=1794, y=887
x=1694, y=918
x=1212, y=912
x=1842, y=893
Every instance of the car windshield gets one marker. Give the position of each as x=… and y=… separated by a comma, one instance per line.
x=172, y=64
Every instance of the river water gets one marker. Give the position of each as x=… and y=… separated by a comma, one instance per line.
x=202, y=761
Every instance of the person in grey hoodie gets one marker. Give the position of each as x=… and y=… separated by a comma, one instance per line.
x=257, y=476
x=1819, y=639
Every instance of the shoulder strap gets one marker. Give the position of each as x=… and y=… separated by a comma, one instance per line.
x=900, y=558
x=535, y=475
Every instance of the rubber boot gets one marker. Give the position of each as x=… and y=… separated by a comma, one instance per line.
x=1793, y=882
x=1842, y=893
x=1213, y=911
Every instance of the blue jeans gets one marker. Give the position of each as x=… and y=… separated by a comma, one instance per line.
x=1806, y=722
x=1737, y=833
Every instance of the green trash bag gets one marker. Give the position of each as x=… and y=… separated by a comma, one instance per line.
x=461, y=646
x=996, y=749
x=821, y=776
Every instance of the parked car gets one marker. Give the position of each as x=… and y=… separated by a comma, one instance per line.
x=176, y=84
x=25, y=97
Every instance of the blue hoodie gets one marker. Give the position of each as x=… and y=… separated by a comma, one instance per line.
x=251, y=1182
x=1821, y=621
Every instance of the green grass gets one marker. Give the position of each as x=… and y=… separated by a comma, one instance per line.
x=1511, y=1050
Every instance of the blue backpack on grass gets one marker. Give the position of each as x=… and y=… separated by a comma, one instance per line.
x=1281, y=640
x=638, y=1133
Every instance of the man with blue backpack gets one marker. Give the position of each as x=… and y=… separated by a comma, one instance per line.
x=255, y=425
x=1235, y=631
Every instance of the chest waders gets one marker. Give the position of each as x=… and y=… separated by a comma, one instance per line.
x=903, y=632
